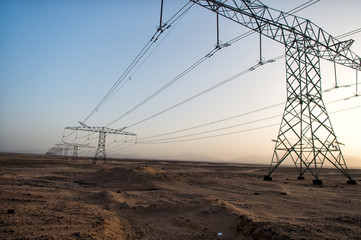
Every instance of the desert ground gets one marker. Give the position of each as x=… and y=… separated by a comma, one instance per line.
x=42, y=197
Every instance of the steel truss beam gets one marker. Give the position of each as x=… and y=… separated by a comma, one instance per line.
x=306, y=135
x=285, y=28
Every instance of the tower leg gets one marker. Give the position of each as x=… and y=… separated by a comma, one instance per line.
x=75, y=152
x=306, y=135
x=100, y=153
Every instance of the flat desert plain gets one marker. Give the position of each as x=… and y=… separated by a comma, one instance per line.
x=47, y=198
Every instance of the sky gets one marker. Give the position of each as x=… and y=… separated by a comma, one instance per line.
x=58, y=59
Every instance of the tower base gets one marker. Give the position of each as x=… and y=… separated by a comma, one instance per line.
x=351, y=181
x=267, y=178
x=317, y=182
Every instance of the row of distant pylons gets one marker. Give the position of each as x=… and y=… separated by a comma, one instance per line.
x=62, y=149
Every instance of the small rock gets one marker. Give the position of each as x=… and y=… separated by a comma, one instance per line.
x=257, y=193
x=11, y=211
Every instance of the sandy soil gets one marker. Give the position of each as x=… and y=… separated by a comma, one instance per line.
x=45, y=198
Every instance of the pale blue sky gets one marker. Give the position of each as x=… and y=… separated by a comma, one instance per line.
x=59, y=58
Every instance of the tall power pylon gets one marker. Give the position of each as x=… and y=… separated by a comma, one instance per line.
x=103, y=131
x=306, y=135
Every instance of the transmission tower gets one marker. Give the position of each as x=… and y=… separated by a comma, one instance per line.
x=75, y=147
x=103, y=131
x=53, y=151
x=61, y=150
x=306, y=135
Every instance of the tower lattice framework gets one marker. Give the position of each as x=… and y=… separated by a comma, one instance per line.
x=100, y=153
x=306, y=135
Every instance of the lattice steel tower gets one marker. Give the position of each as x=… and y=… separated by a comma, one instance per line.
x=76, y=147
x=103, y=131
x=306, y=135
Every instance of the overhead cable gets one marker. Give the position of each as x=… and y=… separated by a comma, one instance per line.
x=140, y=55
x=172, y=140
x=204, y=92
x=213, y=122
x=185, y=72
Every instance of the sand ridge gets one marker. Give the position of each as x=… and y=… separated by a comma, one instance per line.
x=46, y=198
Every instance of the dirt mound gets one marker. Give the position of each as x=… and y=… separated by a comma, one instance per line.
x=123, y=179
x=171, y=200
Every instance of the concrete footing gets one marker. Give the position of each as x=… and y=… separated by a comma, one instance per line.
x=351, y=181
x=267, y=178
x=317, y=182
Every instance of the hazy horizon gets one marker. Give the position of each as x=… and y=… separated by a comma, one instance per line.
x=60, y=58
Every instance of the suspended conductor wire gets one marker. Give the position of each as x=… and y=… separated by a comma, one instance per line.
x=213, y=130
x=123, y=148
x=358, y=30
x=185, y=72
x=302, y=6
x=204, y=91
x=173, y=21
x=229, y=133
x=212, y=136
x=173, y=24
x=346, y=109
x=140, y=55
x=213, y=122
x=297, y=9
x=230, y=118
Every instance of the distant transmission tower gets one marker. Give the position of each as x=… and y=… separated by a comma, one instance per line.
x=306, y=135
x=75, y=147
x=103, y=131
x=62, y=150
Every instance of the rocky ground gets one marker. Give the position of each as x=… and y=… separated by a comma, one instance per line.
x=47, y=198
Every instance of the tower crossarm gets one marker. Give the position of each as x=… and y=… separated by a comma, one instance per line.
x=87, y=128
x=77, y=145
x=290, y=30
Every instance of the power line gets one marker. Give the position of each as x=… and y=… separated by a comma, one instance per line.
x=232, y=117
x=154, y=38
x=185, y=72
x=214, y=122
x=307, y=4
x=140, y=55
x=303, y=6
x=113, y=149
x=174, y=23
x=211, y=136
x=213, y=130
x=205, y=91
x=358, y=30
x=171, y=140
x=123, y=147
